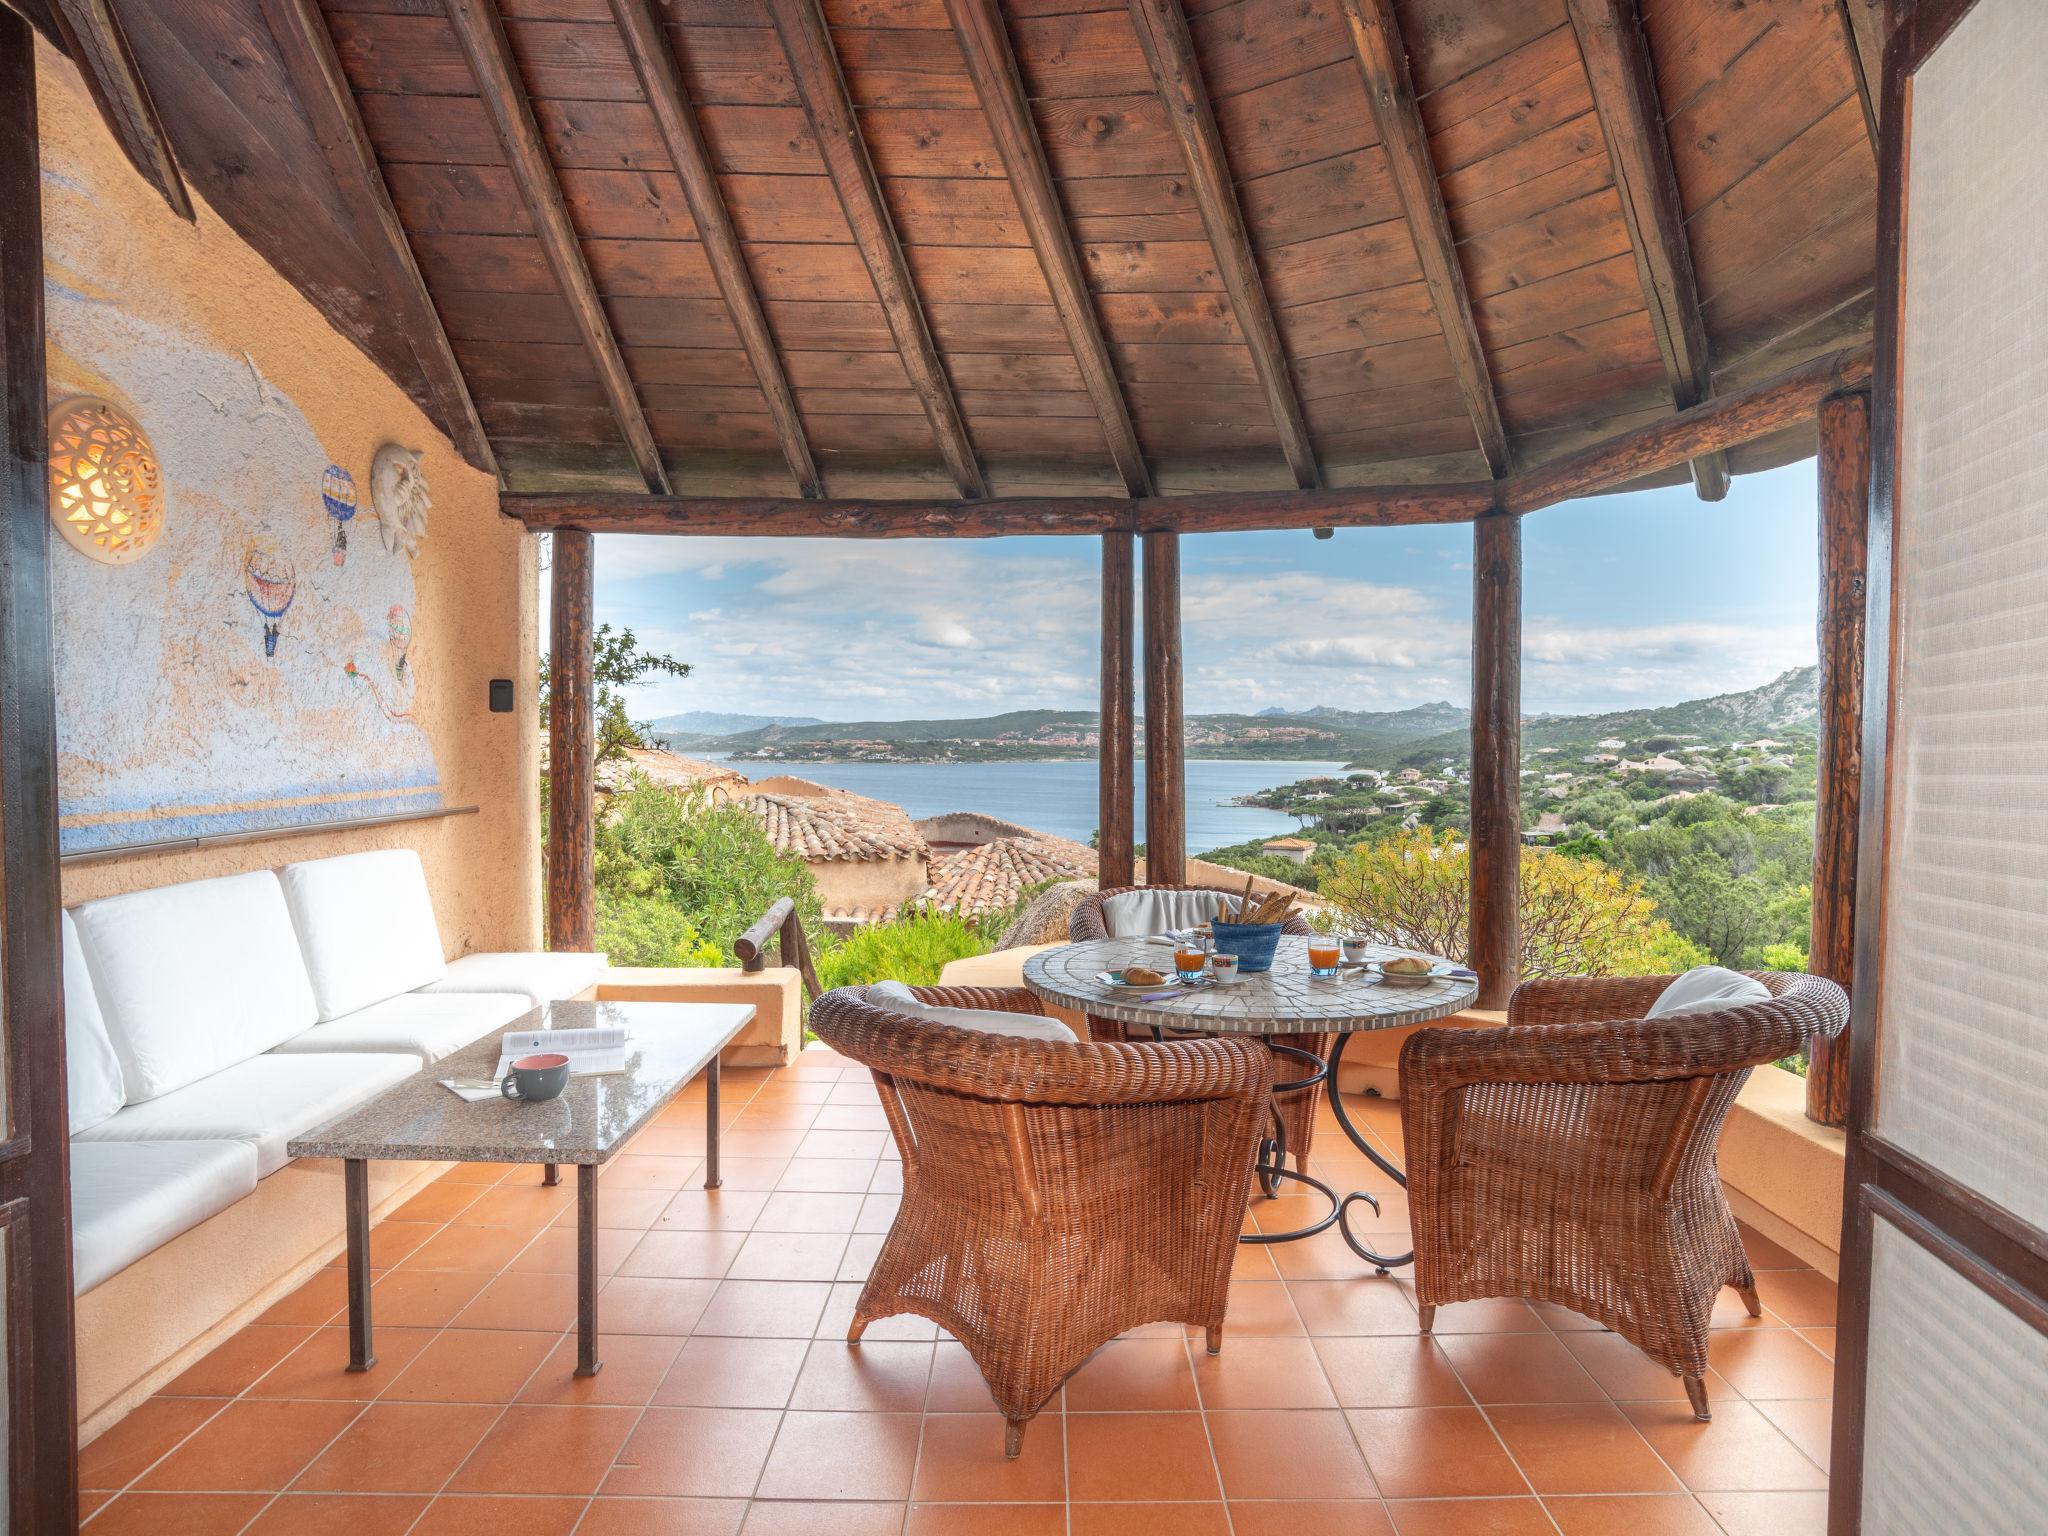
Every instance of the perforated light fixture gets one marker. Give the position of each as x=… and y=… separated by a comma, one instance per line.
x=106, y=487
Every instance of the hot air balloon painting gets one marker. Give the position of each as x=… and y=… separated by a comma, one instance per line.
x=271, y=582
x=400, y=625
x=338, y=495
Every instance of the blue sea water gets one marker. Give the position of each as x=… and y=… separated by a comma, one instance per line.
x=1060, y=797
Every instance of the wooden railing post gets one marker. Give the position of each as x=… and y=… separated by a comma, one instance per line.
x=1115, y=860
x=1165, y=778
x=1496, y=836
x=572, y=745
x=1844, y=513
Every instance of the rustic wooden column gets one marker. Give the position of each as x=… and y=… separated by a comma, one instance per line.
x=1116, y=772
x=1844, y=512
x=1496, y=837
x=1166, y=831
x=572, y=745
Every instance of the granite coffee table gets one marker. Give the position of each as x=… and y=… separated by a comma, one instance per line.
x=420, y=1121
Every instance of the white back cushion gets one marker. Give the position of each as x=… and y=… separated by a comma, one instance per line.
x=894, y=995
x=1133, y=914
x=195, y=977
x=1708, y=989
x=366, y=926
x=92, y=1071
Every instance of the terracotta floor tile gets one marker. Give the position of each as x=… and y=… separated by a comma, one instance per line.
x=683, y=1255
x=640, y=1304
x=318, y=1368
x=1632, y=1514
x=1564, y=1320
x=877, y=1213
x=491, y=1515
x=1772, y=1363
x=1253, y=1262
x=1277, y=1453
x=1822, y=1339
x=391, y=1240
x=960, y=1460
x=237, y=1361
x=624, y=1209
x=775, y=1145
x=177, y=1514
x=438, y=1202
x=991, y=1519
x=252, y=1445
x=476, y=1173
x=478, y=1250
x=1257, y=1309
x=339, y=1514
x=888, y=1179
x=1502, y=1314
x=957, y=1385
x=1134, y=1374
x=1769, y=1514
x=1326, y=1256
x=1470, y=1517
x=634, y=1365
x=862, y=1249
x=837, y=1317
x=1581, y=1448
x=706, y=1453
x=1263, y=1373
x=826, y=1175
x=841, y=1456
x=423, y=1298
x=1807, y=1425
x=470, y=1366
x=713, y=1210
x=1146, y=1457
x=1311, y=1517
x=789, y=1255
x=535, y=1449
x=1348, y=1307
x=1764, y=1254
x=849, y=1144
x=750, y=1173
x=645, y=1170
x=1730, y=1312
x=733, y=1373
x=519, y=1301
x=323, y=1295
x=124, y=1452
x=1740, y=1451
x=790, y=1210
x=663, y=1517
x=524, y=1202
x=822, y=1518
x=764, y=1309
x=1626, y=1374
x=879, y=1377
x=1390, y=1371
x=399, y=1448
x=1804, y=1298
x=1434, y=1453
x=1519, y=1368
x=679, y=1136
x=1149, y=1520
x=852, y=1117
x=554, y=1251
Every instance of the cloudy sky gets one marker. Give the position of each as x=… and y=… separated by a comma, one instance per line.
x=1627, y=600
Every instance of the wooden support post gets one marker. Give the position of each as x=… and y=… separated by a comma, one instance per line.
x=1166, y=851
x=1496, y=836
x=572, y=745
x=1844, y=514
x=1116, y=755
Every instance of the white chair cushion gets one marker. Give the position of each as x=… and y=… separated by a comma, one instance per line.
x=195, y=977
x=131, y=1197
x=366, y=926
x=988, y=1021
x=266, y=1100
x=1708, y=989
x=540, y=976
x=91, y=1069
x=430, y=1025
x=1133, y=914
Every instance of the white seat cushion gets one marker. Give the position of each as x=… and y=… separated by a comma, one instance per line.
x=1708, y=989
x=540, y=976
x=896, y=996
x=366, y=925
x=430, y=1025
x=131, y=1197
x=1133, y=914
x=193, y=978
x=266, y=1101
x=92, y=1072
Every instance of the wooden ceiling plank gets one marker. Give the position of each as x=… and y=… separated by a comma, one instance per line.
x=481, y=31
x=1624, y=89
x=1383, y=58
x=307, y=49
x=807, y=40
x=1170, y=52
x=94, y=39
x=992, y=63
x=661, y=78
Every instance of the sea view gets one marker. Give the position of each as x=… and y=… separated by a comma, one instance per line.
x=1059, y=797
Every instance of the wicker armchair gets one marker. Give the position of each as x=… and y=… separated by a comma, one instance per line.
x=1570, y=1156
x=1054, y=1195
x=1296, y=1111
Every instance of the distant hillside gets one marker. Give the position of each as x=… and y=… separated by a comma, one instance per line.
x=696, y=723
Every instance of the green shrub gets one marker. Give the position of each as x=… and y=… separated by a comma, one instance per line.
x=649, y=930
x=912, y=949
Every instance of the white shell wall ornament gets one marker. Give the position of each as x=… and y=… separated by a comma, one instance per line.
x=398, y=490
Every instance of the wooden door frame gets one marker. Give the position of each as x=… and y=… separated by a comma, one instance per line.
x=1991, y=1248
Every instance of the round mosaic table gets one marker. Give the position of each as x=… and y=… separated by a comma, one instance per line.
x=1285, y=1000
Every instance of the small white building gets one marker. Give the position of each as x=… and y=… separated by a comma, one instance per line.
x=1296, y=850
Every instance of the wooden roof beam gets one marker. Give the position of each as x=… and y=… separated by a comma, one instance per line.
x=662, y=82
x=1617, y=57
x=307, y=48
x=1383, y=58
x=991, y=62
x=1170, y=51
x=94, y=39
x=807, y=41
x=481, y=31
x=1863, y=24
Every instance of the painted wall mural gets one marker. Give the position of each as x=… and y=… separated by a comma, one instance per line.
x=250, y=668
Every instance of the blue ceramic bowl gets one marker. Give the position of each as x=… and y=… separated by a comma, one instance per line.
x=1253, y=943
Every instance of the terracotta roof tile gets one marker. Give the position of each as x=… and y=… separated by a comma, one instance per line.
x=993, y=875
x=838, y=826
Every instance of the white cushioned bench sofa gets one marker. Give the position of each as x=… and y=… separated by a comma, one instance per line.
x=208, y=1023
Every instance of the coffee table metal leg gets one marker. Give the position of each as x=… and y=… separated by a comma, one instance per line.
x=355, y=1183
x=551, y=1174
x=587, y=1363
x=711, y=1178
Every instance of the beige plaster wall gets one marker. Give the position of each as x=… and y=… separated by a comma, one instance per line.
x=474, y=616
x=866, y=885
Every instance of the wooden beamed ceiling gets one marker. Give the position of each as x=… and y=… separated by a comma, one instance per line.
x=1018, y=248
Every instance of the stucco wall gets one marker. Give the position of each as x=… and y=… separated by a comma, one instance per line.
x=143, y=310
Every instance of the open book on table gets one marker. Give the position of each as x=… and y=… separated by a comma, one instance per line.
x=591, y=1052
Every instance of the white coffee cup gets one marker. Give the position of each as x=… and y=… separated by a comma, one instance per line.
x=1356, y=947
x=1223, y=968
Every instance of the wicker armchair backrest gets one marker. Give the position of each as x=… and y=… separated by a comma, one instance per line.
x=1090, y=920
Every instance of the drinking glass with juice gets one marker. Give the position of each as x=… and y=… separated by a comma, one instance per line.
x=1323, y=954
